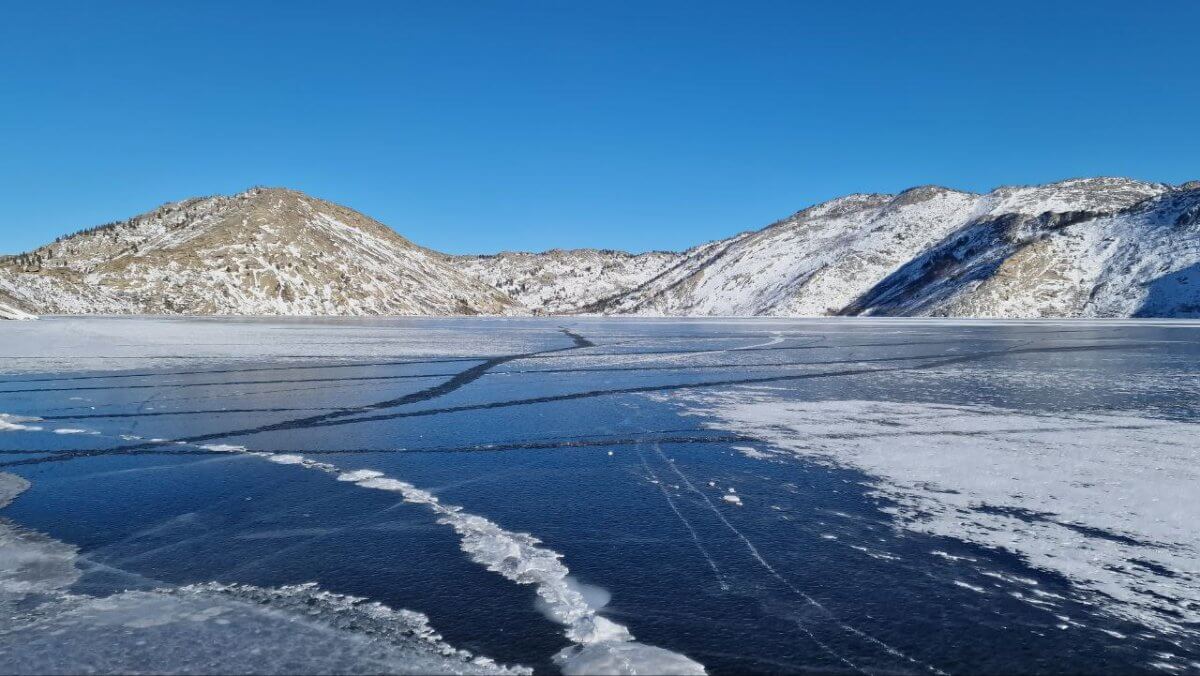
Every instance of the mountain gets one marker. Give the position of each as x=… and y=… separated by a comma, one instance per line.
x=563, y=281
x=1103, y=247
x=1097, y=247
x=263, y=251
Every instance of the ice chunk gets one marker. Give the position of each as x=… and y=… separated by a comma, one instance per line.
x=624, y=658
x=223, y=448
x=287, y=459
x=359, y=475
x=16, y=423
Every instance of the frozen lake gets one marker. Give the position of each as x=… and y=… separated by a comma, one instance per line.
x=570, y=494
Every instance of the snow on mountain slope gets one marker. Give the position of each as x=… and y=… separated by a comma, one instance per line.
x=1151, y=260
x=1014, y=252
x=9, y=309
x=1098, y=260
x=812, y=263
x=261, y=252
x=564, y=280
x=663, y=291
x=1098, y=247
x=59, y=291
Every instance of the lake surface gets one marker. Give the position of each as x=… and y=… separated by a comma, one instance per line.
x=846, y=496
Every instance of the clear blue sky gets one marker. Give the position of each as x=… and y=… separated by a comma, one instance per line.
x=480, y=126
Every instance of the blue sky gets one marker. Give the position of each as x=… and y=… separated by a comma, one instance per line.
x=480, y=126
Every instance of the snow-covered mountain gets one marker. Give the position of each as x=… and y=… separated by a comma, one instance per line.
x=562, y=281
x=1103, y=247
x=264, y=251
x=1100, y=247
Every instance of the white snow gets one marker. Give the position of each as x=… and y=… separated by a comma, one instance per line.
x=1082, y=247
x=16, y=423
x=565, y=281
x=1109, y=501
x=223, y=448
x=359, y=475
x=991, y=254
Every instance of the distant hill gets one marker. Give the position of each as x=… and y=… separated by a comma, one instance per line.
x=1099, y=247
x=265, y=251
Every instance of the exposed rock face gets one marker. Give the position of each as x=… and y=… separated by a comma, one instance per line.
x=264, y=251
x=1100, y=247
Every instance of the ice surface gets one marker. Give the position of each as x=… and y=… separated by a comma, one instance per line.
x=11, y=486
x=602, y=646
x=121, y=343
x=1053, y=524
x=1109, y=501
x=215, y=628
x=29, y=562
x=203, y=628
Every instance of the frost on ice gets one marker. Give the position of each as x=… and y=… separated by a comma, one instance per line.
x=1108, y=501
x=201, y=628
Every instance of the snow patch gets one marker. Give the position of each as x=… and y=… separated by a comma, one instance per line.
x=1114, y=512
x=16, y=423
